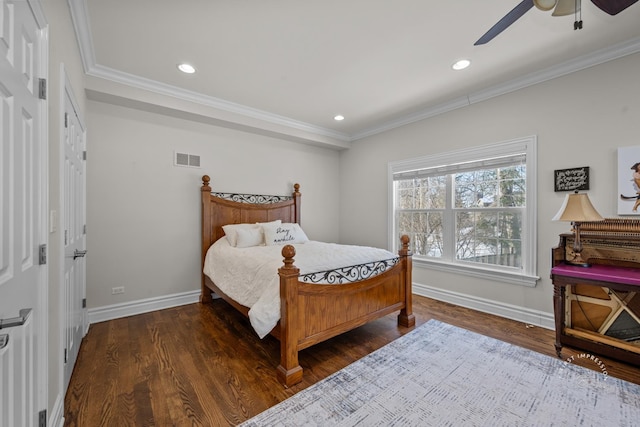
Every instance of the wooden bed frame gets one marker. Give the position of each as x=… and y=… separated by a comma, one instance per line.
x=310, y=313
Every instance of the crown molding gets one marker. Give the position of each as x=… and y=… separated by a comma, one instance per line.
x=571, y=66
x=80, y=18
x=598, y=57
x=417, y=116
x=127, y=79
x=81, y=25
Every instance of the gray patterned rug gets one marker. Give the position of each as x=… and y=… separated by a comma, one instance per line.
x=441, y=375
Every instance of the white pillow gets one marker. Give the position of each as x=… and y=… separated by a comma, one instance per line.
x=231, y=231
x=276, y=222
x=247, y=237
x=268, y=224
x=283, y=234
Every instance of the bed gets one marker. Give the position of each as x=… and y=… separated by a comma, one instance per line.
x=310, y=310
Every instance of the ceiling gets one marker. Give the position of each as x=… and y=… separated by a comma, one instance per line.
x=379, y=63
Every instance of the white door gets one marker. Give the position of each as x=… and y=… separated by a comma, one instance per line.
x=74, y=237
x=23, y=207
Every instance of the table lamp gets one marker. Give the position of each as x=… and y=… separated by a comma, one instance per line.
x=577, y=208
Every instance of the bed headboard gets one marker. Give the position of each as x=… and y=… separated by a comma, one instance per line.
x=219, y=209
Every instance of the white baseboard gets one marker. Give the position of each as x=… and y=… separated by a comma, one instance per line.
x=509, y=311
x=56, y=417
x=513, y=312
x=116, y=311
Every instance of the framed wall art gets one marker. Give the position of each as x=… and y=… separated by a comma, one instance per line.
x=571, y=179
x=629, y=180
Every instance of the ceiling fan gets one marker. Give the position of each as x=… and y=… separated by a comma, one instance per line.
x=561, y=8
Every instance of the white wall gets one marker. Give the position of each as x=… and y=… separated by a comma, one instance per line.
x=579, y=120
x=143, y=213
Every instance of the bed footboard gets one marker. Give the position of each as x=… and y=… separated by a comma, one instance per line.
x=312, y=313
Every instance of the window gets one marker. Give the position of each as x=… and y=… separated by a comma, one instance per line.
x=470, y=211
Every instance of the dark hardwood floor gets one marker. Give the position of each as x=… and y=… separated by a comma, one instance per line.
x=202, y=365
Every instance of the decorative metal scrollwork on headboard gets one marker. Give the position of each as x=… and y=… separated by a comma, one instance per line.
x=252, y=198
x=350, y=274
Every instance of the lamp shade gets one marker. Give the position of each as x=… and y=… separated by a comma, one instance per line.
x=577, y=208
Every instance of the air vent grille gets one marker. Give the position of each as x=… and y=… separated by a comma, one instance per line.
x=187, y=160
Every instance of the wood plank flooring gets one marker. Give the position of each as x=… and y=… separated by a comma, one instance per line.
x=202, y=365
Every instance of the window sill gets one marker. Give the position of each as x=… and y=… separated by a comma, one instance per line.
x=511, y=278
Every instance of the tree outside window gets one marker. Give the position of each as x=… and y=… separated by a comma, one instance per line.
x=471, y=211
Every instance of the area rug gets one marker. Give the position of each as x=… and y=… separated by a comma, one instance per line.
x=441, y=375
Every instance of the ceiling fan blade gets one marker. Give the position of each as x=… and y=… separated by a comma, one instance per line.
x=613, y=7
x=508, y=19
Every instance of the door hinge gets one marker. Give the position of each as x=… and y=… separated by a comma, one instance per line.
x=84, y=155
x=42, y=254
x=42, y=88
x=66, y=120
x=65, y=355
x=65, y=237
x=42, y=418
x=84, y=303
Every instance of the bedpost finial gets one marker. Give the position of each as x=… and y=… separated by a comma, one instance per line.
x=288, y=252
x=404, y=250
x=296, y=188
x=205, y=183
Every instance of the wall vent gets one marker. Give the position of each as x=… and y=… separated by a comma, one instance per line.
x=188, y=160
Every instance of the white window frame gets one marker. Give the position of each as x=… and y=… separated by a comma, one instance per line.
x=527, y=276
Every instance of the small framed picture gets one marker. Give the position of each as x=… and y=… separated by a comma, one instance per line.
x=571, y=179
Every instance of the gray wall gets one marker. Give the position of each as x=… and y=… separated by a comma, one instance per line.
x=579, y=120
x=143, y=213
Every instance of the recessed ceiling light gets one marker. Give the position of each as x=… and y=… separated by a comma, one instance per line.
x=186, y=68
x=461, y=65
x=338, y=118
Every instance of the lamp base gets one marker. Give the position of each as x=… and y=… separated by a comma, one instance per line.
x=578, y=261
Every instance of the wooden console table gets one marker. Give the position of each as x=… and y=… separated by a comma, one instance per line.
x=597, y=309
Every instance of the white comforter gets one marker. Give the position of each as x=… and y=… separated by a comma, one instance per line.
x=250, y=275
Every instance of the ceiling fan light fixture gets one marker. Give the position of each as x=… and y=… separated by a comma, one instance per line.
x=566, y=7
x=545, y=4
x=461, y=64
